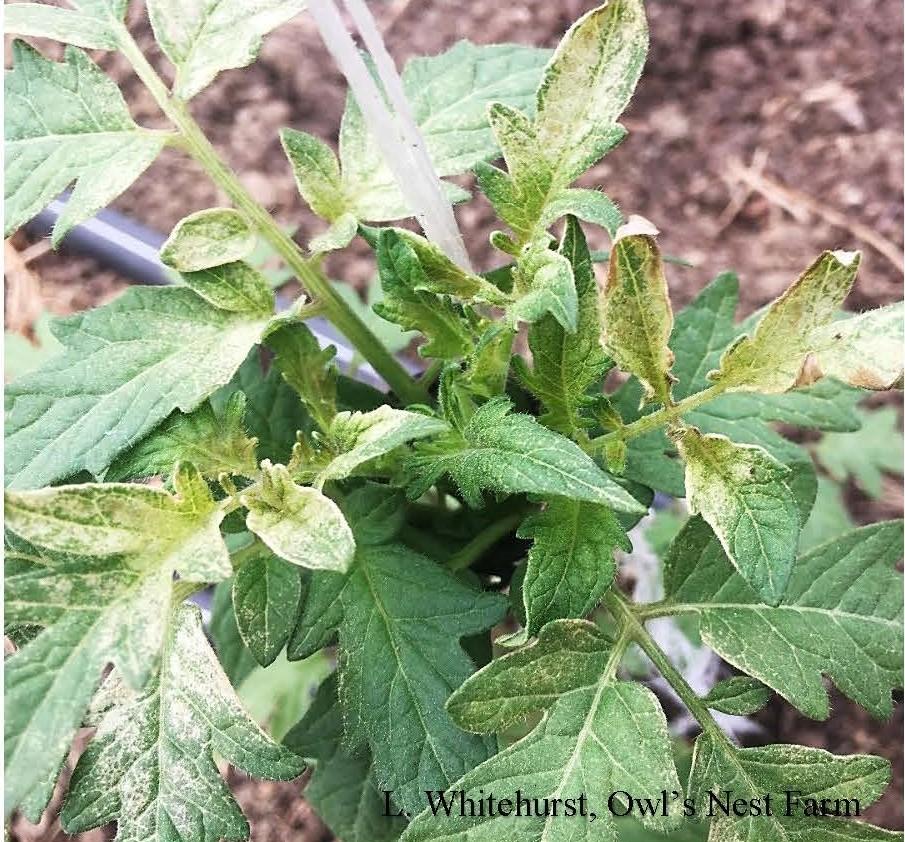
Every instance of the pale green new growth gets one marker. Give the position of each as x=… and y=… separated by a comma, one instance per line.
x=213, y=442
x=545, y=284
x=67, y=122
x=299, y=524
x=358, y=437
x=90, y=24
x=208, y=238
x=598, y=736
x=743, y=493
x=150, y=766
x=125, y=368
x=203, y=37
x=636, y=312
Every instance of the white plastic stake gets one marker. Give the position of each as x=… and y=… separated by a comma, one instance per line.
x=396, y=132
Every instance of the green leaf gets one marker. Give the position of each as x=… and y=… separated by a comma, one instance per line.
x=841, y=616
x=571, y=562
x=235, y=287
x=150, y=767
x=588, y=83
x=89, y=25
x=337, y=236
x=203, y=37
x=796, y=341
x=744, y=494
x=359, y=437
x=208, y=238
x=449, y=94
x=96, y=574
x=316, y=172
x=126, y=367
x=308, y=369
x=266, y=596
x=545, y=284
x=407, y=304
x=635, y=310
x=401, y=616
x=829, y=516
x=67, y=122
x=233, y=654
x=512, y=453
x=22, y=354
x=299, y=524
x=775, y=770
x=393, y=338
x=565, y=366
x=865, y=456
x=213, y=442
x=591, y=725
x=739, y=696
x=343, y=789
x=588, y=205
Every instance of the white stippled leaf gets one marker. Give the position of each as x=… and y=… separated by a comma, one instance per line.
x=544, y=283
x=511, y=453
x=96, y=575
x=739, y=696
x=299, y=524
x=636, y=311
x=91, y=24
x=151, y=768
x=316, y=171
x=208, y=238
x=126, y=367
x=841, y=615
x=67, y=122
x=358, y=437
x=592, y=724
x=203, y=37
x=744, y=494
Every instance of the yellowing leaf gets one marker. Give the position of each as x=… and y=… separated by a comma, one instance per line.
x=636, y=312
x=743, y=493
x=299, y=524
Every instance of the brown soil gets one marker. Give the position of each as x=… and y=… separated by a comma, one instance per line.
x=801, y=99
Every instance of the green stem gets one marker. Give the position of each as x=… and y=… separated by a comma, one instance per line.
x=182, y=590
x=484, y=540
x=664, y=608
x=308, y=271
x=430, y=374
x=656, y=419
x=622, y=611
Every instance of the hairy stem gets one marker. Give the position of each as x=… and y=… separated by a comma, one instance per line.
x=484, y=540
x=195, y=142
x=622, y=611
x=656, y=419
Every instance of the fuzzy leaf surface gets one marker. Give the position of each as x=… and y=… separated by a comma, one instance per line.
x=744, y=494
x=96, y=575
x=214, y=442
x=571, y=562
x=358, y=437
x=88, y=25
x=841, y=616
x=316, y=171
x=299, y=524
x=566, y=365
x=739, y=696
x=407, y=303
x=266, y=596
x=150, y=766
x=67, y=122
x=203, y=37
x=511, y=453
x=343, y=789
x=548, y=286
x=126, y=367
x=637, y=315
x=591, y=723
x=236, y=287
